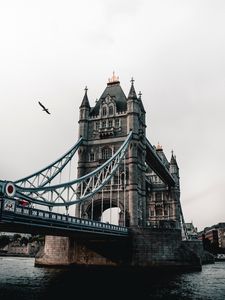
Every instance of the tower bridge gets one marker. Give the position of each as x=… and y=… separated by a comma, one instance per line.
x=118, y=168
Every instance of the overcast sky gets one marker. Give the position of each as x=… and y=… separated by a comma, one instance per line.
x=175, y=50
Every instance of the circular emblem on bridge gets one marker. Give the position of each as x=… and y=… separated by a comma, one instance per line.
x=10, y=189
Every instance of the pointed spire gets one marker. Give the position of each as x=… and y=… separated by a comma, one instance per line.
x=85, y=102
x=173, y=159
x=140, y=101
x=132, y=94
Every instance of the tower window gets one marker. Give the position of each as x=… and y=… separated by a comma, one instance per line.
x=117, y=122
x=110, y=110
x=158, y=197
x=110, y=123
x=97, y=125
x=104, y=111
x=92, y=156
x=116, y=179
x=158, y=212
x=106, y=153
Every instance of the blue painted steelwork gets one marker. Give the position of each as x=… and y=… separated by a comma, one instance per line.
x=74, y=191
x=77, y=190
x=47, y=174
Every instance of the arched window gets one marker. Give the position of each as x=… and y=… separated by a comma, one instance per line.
x=97, y=125
x=158, y=212
x=111, y=110
x=110, y=123
x=106, y=153
x=117, y=123
x=158, y=197
x=92, y=156
x=104, y=111
x=152, y=213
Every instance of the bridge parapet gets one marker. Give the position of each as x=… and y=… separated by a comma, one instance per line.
x=12, y=214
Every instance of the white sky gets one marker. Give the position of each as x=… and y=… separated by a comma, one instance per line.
x=175, y=50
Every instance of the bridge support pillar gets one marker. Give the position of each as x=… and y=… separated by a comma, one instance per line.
x=55, y=251
x=69, y=250
x=162, y=248
x=144, y=249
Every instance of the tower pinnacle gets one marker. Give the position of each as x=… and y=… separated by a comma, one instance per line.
x=132, y=94
x=85, y=102
x=114, y=79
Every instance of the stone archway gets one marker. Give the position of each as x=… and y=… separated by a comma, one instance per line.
x=100, y=211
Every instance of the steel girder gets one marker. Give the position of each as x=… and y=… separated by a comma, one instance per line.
x=47, y=174
x=72, y=192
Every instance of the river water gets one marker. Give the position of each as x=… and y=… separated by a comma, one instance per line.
x=21, y=280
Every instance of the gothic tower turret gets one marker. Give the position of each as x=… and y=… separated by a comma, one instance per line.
x=174, y=169
x=136, y=158
x=84, y=115
x=141, y=197
x=133, y=110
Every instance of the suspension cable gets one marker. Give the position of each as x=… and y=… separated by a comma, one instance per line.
x=92, y=208
x=110, y=201
x=124, y=192
x=102, y=207
x=118, y=195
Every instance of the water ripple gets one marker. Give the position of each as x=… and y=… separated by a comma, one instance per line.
x=20, y=280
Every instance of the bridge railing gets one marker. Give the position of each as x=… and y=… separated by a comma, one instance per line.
x=10, y=210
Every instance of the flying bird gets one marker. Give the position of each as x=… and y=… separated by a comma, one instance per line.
x=44, y=108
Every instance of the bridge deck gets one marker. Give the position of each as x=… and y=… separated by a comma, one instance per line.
x=16, y=218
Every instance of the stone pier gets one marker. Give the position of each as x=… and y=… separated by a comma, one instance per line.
x=144, y=249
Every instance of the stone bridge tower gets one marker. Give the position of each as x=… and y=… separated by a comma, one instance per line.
x=145, y=203
x=135, y=189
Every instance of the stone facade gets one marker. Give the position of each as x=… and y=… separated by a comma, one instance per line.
x=142, y=198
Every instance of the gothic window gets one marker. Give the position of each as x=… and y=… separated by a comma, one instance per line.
x=117, y=123
x=97, y=125
x=116, y=179
x=110, y=123
x=103, y=124
x=92, y=156
x=152, y=213
x=104, y=111
x=158, y=197
x=158, y=212
x=110, y=110
x=106, y=153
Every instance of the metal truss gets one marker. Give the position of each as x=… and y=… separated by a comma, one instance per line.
x=72, y=192
x=46, y=175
